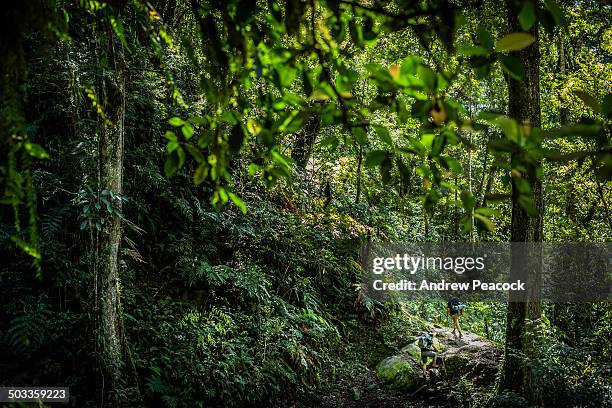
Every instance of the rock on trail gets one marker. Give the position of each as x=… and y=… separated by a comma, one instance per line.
x=470, y=355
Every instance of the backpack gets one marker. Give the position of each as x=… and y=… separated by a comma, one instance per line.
x=425, y=342
x=455, y=306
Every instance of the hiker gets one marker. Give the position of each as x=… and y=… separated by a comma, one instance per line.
x=425, y=343
x=454, y=308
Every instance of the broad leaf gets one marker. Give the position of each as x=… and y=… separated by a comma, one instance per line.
x=514, y=42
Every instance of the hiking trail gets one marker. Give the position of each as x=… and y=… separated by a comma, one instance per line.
x=468, y=360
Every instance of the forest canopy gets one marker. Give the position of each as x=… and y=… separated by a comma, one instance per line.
x=187, y=186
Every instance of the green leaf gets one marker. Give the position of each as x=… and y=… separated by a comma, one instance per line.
x=187, y=130
x=181, y=155
x=383, y=135
x=468, y=200
x=385, y=169
x=172, y=146
x=228, y=117
x=171, y=165
x=402, y=112
x=526, y=202
x=286, y=75
x=176, y=121
x=588, y=131
x=375, y=158
x=466, y=223
x=509, y=126
x=174, y=161
x=194, y=152
x=503, y=145
x=170, y=135
x=514, y=42
x=427, y=140
x=453, y=165
x=118, y=29
x=487, y=211
x=409, y=66
x=238, y=201
x=485, y=39
x=361, y=135
x=428, y=76
x=527, y=16
x=200, y=174
x=484, y=221
x=588, y=100
x=513, y=66
x=198, y=120
x=35, y=150
x=27, y=248
x=555, y=11
x=438, y=145
x=556, y=155
x=473, y=51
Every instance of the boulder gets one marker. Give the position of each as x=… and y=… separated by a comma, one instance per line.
x=438, y=345
x=457, y=364
x=398, y=373
x=412, y=350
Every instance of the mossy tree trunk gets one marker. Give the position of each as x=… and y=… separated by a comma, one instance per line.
x=524, y=106
x=111, y=91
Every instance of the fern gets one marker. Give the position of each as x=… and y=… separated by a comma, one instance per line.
x=26, y=333
x=52, y=223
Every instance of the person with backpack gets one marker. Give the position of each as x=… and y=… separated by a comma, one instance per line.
x=425, y=343
x=454, y=309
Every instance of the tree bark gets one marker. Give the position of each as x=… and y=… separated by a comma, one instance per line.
x=111, y=88
x=524, y=106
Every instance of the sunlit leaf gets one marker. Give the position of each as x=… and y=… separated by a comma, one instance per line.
x=238, y=201
x=35, y=150
x=176, y=121
x=514, y=42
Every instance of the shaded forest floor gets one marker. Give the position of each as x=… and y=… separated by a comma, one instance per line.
x=470, y=379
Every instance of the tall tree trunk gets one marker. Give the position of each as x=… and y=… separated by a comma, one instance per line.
x=111, y=89
x=524, y=106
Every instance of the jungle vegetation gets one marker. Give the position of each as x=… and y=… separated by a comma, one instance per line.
x=186, y=186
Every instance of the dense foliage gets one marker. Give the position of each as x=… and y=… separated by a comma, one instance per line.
x=256, y=147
